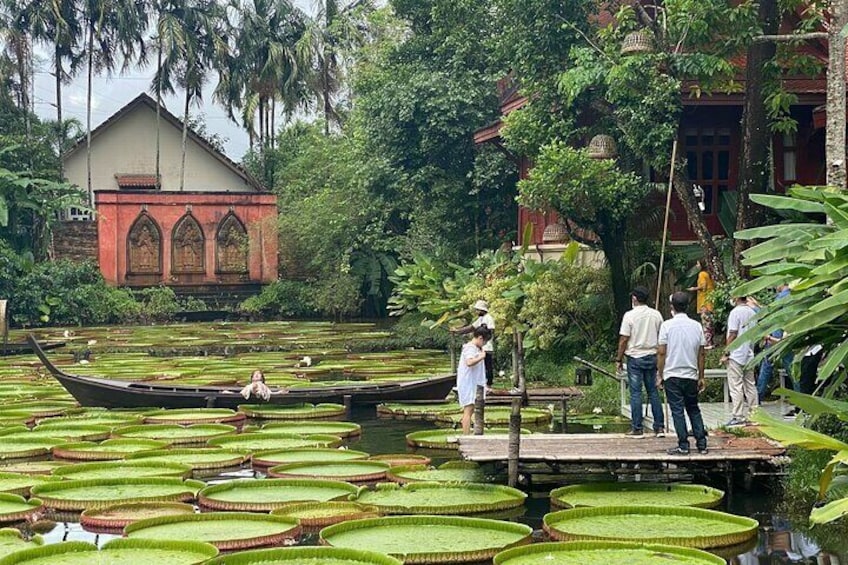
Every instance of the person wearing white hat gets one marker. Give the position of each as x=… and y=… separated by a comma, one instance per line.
x=485, y=320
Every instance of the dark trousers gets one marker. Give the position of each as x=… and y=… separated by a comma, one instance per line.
x=490, y=368
x=810, y=371
x=643, y=371
x=682, y=395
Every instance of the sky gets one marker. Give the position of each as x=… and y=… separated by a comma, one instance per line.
x=112, y=93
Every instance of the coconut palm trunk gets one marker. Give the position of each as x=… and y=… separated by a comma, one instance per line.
x=185, y=136
x=158, y=111
x=88, y=114
x=60, y=123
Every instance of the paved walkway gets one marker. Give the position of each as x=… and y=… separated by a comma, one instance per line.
x=715, y=414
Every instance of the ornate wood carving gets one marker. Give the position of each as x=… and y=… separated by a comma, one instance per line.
x=144, y=247
x=188, y=246
x=231, y=246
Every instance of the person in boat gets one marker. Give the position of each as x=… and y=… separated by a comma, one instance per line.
x=484, y=320
x=471, y=373
x=257, y=387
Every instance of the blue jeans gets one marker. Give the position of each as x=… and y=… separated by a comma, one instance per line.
x=767, y=371
x=644, y=370
x=682, y=396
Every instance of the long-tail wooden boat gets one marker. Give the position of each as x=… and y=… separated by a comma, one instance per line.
x=109, y=393
x=8, y=349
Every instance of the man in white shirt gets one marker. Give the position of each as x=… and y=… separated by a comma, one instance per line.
x=680, y=370
x=738, y=354
x=485, y=320
x=637, y=340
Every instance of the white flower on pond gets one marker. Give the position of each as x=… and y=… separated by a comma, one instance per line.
x=501, y=373
x=597, y=410
x=92, y=342
x=83, y=362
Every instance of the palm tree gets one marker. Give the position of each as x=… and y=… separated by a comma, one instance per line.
x=114, y=31
x=14, y=32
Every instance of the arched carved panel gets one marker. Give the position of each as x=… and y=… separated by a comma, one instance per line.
x=188, y=249
x=144, y=247
x=231, y=246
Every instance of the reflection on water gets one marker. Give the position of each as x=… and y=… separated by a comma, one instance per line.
x=782, y=537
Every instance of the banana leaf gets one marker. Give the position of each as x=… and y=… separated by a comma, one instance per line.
x=815, y=405
x=793, y=434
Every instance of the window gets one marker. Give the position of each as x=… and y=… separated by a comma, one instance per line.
x=790, y=157
x=708, y=162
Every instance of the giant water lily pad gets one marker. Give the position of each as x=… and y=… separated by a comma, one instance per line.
x=499, y=416
x=14, y=508
x=445, y=439
x=111, y=518
x=99, y=417
x=33, y=467
x=224, y=530
x=187, y=416
x=293, y=412
x=305, y=556
x=97, y=493
x=308, y=454
x=352, y=471
x=253, y=442
x=175, y=434
x=636, y=494
x=602, y=553
x=18, y=483
x=417, y=411
x=12, y=541
x=684, y=526
x=197, y=459
x=21, y=448
x=441, y=498
x=340, y=429
x=320, y=514
x=124, y=469
x=40, y=409
x=108, y=450
x=402, y=459
x=429, y=539
x=71, y=432
x=115, y=552
x=268, y=494
x=450, y=472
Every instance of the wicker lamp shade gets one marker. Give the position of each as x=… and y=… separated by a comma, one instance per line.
x=637, y=43
x=603, y=147
x=555, y=233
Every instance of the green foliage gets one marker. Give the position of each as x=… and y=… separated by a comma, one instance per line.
x=432, y=288
x=160, y=303
x=282, y=299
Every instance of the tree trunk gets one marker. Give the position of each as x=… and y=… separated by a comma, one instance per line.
x=158, y=113
x=261, y=124
x=613, y=244
x=325, y=70
x=686, y=196
x=185, y=136
x=835, y=129
x=273, y=121
x=88, y=116
x=754, y=164
x=57, y=59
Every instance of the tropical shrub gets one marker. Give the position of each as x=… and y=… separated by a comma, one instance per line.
x=160, y=303
x=282, y=299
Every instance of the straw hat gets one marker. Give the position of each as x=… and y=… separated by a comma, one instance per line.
x=481, y=305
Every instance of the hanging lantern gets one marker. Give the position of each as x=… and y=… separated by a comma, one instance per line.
x=637, y=43
x=603, y=147
x=555, y=233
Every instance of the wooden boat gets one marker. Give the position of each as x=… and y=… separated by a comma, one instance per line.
x=8, y=349
x=109, y=393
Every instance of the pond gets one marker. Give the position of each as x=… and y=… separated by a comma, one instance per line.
x=23, y=391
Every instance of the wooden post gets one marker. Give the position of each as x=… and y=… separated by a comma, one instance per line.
x=347, y=400
x=514, y=446
x=479, y=410
x=515, y=359
x=452, y=349
x=563, y=404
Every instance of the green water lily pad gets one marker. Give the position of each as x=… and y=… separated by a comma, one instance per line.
x=253, y=442
x=309, y=454
x=429, y=539
x=111, y=518
x=100, y=418
x=320, y=514
x=427, y=412
x=17, y=483
x=20, y=448
x=197, y=459
x=446, y=439
x=268, y=494
x=441, y=498
x=352, y=471
x=674, y=525
x=224, y=530
x=12, y=541
x=402, y=459
x=603, y=553
x=33, y=467
x=499, y=416
x=635, y=494
x=193, y=416
x=450, y=472
x=174, y=433
x=14, y=508
x=115, y=552
x=108, y=450
x=340, y=429
x=305, y=556
x=124, y=469
x=293, y=412
x=97, y=493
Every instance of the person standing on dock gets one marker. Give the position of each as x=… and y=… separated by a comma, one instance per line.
x=640, y=328
x=738, y=354
x=484, y=320
x=471, y=373
x=681, y=358
x=703, y=304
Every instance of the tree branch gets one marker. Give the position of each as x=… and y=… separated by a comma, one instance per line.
x=791, y=37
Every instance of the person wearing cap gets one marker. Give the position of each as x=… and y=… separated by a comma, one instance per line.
x=681, y=359
x=738, y=354
x=484, y=320
x=640, y=328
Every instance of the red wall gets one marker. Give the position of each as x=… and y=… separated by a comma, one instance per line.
x=117, y=211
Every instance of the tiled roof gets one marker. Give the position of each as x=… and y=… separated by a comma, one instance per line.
x=136, y=181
